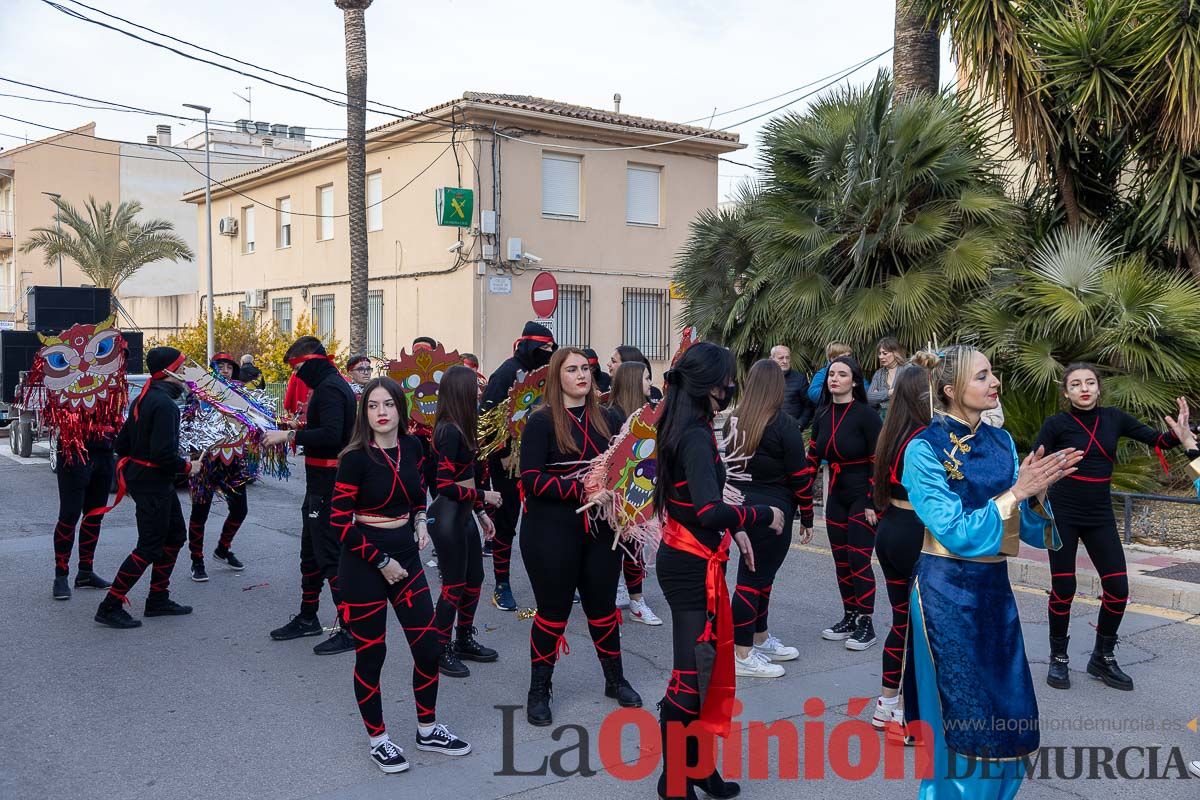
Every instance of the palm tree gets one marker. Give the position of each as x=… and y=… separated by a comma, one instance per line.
x=108, y=246
x=916, y=58
x=354, y=12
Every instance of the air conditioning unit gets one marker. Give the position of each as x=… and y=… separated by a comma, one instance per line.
x=256, y=298
x=227, y=226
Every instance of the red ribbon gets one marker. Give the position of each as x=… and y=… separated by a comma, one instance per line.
x=716, y=710
x=313, y=461
x=162, y=373
x=541, y=339
x=121, y=488
x=298, y=360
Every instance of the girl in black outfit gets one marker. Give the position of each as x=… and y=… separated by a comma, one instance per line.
x=456, y=507
x=564, y=552
x=773, y=442
x=378, y=500
x=82, y=488
x=626, y=353
x=1082, y=507
x=698, y=527
x=900, y=533
x=845, y=429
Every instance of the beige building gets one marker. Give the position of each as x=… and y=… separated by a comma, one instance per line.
x=602, y=200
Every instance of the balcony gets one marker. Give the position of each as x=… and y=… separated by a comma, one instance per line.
x=6, y=231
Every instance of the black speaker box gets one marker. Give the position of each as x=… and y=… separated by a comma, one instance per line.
x=56, y=308
x=17, y=349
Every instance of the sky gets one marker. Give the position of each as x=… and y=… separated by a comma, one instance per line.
x=675, y=60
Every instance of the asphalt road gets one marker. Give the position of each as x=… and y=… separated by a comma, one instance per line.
x=208, y=706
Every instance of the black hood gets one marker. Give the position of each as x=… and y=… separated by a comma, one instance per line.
x=529, y=352
x=315, y=371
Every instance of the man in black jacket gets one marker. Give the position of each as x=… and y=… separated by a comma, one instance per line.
x=149, y=448
x=531, y=351
x=250, y=374
x=328, y=425
x=795, y=390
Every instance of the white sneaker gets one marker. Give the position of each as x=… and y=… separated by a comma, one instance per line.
x=756, y=665
x=622, y=595
x=1194, y=768
x=640, y=611
x=775, y=650
x=885, y=714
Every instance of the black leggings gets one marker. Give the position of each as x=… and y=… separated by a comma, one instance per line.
x=365, y=596
x=238, y=509
x=161, y=535
x=320, y=549
x=1103, y=545
x=634, y=568
x=505, y=517
x=81, y=488
x=898, y=541
x=852, y=539
x=460, y=560
x=752, y=596
x=561, y=557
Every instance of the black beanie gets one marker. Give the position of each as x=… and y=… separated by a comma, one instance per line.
x=161, y=358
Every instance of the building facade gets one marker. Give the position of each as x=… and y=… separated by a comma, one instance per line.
x=600, y=199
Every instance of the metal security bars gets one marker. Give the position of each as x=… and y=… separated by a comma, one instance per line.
x=375, y=322
x=573, y=317
x=323, y=315
x=647, y=321
x=281, y=313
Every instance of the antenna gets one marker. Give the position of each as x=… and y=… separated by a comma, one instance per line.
x=246, y=100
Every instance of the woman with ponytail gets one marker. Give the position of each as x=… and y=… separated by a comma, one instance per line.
x=966, y=658
x=698, y=528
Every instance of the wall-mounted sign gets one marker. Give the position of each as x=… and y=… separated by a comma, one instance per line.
x=455, y=207
x=499, y=284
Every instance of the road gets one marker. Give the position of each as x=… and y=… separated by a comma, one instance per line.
x=208, y=706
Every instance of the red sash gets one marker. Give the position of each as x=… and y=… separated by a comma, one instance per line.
x=716, y=709
x=99, y=512
x=313, y=461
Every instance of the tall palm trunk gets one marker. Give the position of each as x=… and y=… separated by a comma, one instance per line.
x=356, y=164
x=916, y=60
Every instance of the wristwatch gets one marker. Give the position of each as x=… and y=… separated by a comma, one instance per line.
x=383, y=562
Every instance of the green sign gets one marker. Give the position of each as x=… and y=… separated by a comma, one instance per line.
x=455, y=207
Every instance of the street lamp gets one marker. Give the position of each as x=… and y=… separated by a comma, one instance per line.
x=208, y=208
x=57, y=229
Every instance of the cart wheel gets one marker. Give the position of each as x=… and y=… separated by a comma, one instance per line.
x=25, y=448
x=14, y=437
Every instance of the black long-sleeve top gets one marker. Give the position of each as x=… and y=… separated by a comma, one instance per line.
x=1085, y=494
x=151, y=435
x=456, y=461
x=329, y=422
x=697, y=501
x=795, y=398
x=777, y=468
x=844, y=434
x=544, y=466
x=379, y=483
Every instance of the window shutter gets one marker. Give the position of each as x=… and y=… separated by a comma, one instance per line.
x=643, y=193
x=375, y=201
x=560, y=185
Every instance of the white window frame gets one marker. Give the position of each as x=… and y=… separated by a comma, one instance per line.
x=325, y=212
x=277, y=304
x=248, y=230
x=556, y=178
x=640, y=193
x=284, y=214
x=375, y=201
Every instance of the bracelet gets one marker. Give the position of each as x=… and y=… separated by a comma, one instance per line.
x=384, y=562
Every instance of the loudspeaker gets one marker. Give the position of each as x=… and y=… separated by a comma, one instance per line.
x=134, y=360
x=17, y=349
x=56, y=308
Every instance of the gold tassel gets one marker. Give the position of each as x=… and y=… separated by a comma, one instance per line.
x=493, y=429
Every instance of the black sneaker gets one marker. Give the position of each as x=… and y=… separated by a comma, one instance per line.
x=198, y=573
x=115, y=616
x=90, y=580
x=841, y=630
x=62, y=588
x=297, y=626
x=388, y=757
x=450, y=666
x=466, y=647
x=229, y=558
x=864, y=634
x=166, y=607
x=502, y=598
x=339, y=642
x=441, y=740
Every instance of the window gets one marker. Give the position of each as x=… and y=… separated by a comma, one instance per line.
x=248, y=229
x=573, y=317
x=281, y=312
x=245, y=312
x=560, y=186
x=375, y=322
x=641, y=204
x=323, y=316
x=646, y=320
x=375, y=201
x=283, y=237
x=325, y=209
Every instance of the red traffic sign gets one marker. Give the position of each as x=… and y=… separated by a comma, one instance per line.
x=544, y=294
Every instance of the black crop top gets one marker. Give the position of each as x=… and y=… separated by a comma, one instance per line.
x=456, y=461
x=544, y=467
x=383, y=483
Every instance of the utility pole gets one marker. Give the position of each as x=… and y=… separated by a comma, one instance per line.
x=57, y=229
x=208, y=210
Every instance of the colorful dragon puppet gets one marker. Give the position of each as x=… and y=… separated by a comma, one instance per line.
x=85, y=391
x=419, y=374
x=506, y=421
x=628, y=469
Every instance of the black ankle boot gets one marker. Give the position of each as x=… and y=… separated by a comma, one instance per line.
x=465, y=647
x=689, y=792
x=1059, y=674
x=715, y=786
x=537, y=705
x=615, y=685
x=1103, y=664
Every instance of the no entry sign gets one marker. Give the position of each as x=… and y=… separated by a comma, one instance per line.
x=544, y=294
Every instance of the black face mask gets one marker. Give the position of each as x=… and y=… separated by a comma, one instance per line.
x=723, y=402
x=541, y=357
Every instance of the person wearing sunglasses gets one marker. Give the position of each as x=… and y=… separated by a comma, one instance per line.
x=358, y=370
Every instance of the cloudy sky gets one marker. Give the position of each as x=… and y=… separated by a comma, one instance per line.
x=675, y=60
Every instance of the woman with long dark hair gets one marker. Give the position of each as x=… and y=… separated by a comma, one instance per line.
x=563, y=552
x=900, y=532
x=630, y=391
x=698, y=528
x=845, y=430
x=378, y=512
x=1083, y=512
x=627, y=353
x=457, y=508
x=774, y=445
